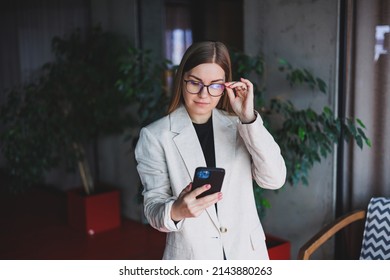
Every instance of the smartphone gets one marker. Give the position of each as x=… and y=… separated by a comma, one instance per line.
x=208, y=175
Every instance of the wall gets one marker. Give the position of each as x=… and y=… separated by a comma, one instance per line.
x=119, y=16
x=306, y=34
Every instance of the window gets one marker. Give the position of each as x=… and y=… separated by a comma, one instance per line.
x=178, y=32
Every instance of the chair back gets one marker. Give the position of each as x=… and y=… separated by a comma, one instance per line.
x=376, y=236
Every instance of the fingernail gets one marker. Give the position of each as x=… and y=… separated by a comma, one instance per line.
x=219, y=196
x=208, y=186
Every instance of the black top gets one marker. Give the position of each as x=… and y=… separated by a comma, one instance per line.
x=206, y=139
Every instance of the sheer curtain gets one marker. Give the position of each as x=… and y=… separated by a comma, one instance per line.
x=366, y=173
x=26, y=30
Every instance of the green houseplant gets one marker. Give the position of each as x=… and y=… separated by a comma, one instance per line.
x=304, y=135
x=52, y=121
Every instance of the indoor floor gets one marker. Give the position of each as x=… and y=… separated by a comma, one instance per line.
x=34, y=226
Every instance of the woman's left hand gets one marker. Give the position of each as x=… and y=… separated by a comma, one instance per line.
x=242, y=99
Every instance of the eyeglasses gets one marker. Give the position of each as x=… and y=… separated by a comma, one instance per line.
x=195, y=87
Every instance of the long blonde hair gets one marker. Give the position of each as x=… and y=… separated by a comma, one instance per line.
x=199, y=53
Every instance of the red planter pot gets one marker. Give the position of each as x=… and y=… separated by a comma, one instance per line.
x=94, y=213
x=278, y=249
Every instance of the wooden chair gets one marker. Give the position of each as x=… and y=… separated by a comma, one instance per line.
x=376, y=236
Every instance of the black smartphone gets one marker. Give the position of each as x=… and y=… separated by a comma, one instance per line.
x=208, y=175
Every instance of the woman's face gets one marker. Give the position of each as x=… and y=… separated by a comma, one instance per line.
x=200, y=106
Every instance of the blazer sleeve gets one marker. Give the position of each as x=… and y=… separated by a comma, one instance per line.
x=268, y=166
x=157, y=193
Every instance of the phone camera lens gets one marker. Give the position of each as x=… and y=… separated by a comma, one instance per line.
x=203, y=174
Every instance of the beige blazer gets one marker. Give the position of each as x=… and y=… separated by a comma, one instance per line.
x=168, y=152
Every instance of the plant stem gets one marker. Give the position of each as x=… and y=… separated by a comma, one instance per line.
x=85, y=172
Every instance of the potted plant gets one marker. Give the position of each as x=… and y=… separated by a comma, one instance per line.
x=304, y=136
x=54, y=120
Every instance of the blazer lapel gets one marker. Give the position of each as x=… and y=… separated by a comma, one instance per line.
x=186, y=140
x=225, y=137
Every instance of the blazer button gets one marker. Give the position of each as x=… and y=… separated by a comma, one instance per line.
x=223, y=229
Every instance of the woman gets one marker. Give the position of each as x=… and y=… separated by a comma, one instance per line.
x=211, y=121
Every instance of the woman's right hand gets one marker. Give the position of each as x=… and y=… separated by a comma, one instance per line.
x=188, y=206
